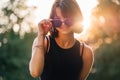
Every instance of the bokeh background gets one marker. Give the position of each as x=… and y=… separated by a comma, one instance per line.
x=18, y=28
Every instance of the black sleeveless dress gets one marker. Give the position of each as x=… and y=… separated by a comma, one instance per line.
x=62, y=64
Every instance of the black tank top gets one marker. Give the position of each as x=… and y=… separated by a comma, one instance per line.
x=62, y=64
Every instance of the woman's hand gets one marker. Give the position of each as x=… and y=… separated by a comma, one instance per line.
x=44, y=26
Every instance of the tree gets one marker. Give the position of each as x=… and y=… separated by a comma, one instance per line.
x=105, y=39
x=15, y=41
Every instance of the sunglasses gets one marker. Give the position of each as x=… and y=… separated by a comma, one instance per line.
x=58, y=22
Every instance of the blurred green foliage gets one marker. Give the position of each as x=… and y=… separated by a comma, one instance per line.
x=15, y=56
x=15, y=47
x=107, y=61
x=106, y=31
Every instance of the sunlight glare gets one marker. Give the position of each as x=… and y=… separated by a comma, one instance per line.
x=16, y=28
x=102, y=19
x=43, y=8
x=86, y=8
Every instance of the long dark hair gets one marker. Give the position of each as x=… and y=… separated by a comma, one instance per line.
x=69, y=8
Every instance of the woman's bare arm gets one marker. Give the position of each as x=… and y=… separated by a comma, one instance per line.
x=88, y=60
x=39, y=49
x=37, y=58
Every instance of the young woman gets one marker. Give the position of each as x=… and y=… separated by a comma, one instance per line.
x=60, y=56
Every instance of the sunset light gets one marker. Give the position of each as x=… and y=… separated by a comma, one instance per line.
x=86, y=8
x=98, y=33
x=43, y=8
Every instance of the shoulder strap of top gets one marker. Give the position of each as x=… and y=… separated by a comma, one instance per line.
x=83, y=45
x=48, y=43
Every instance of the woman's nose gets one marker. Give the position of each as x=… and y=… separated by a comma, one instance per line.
x=63, y=23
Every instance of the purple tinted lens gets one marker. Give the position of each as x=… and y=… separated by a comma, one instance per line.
x=68, y=22
x=56, y=22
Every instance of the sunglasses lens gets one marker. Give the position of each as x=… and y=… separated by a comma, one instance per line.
x=56, y=22
x=69, y=22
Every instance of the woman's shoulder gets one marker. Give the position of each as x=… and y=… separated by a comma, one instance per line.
x=88, y=52
x=85, y=49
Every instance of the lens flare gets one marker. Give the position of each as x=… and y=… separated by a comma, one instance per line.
x=86, y=7
x=44, y=7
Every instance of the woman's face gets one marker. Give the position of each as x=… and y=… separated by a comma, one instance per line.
x=64, y=27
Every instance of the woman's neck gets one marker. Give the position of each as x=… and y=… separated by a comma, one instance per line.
x=65, y=40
